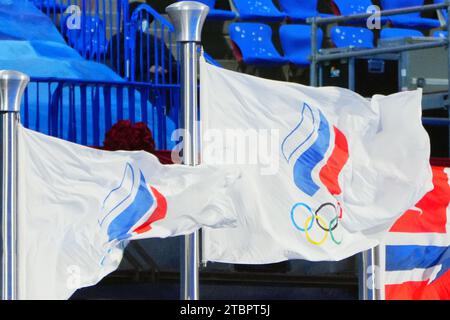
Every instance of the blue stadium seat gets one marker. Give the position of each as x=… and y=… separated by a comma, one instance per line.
x=254, y=41
x=350, y=7
x=300, y=10
x=217, y=14
x=352, y=37
x=258, y=10
x=409, y=20
x=393, y=33
x=296, y=43
x=440, y=34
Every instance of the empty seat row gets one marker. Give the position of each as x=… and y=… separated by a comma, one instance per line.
x=265, y=10
x=300, y=10
x=409, y=20
x=253, y=44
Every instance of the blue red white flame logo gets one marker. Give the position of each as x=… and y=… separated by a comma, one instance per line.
x=312, y=156
x=132, y=206
x=309, y=143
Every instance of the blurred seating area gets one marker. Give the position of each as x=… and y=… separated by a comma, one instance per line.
x=271, y=38
x=253, y=36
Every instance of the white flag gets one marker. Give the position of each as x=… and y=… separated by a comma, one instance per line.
x=325, y=172
x=78, y=208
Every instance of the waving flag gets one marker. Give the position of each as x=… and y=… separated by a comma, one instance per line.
x=325, y=172
x=417, y=248
x=79, y=207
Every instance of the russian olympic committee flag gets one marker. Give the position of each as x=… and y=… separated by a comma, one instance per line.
x=325, y=172
x=79, y=207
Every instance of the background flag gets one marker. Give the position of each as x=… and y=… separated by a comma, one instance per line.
x=416, y=255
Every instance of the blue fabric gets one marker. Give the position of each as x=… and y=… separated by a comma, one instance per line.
x=30, y=24
x=51, y=59
x=31, y=36
x=410, y=20
x=355, y=37
x=52, y=50
x=300, y=10
x=255, y=42
x=390, y=33
x=296, y=42
x=258, y=10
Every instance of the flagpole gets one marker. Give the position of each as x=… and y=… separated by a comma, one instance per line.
x=188, y=18
x=371, y=283
x=363, y=258
x=12, y=86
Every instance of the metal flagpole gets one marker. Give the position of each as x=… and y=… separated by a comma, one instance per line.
x=376, y=273
x=371, y=284
x=363, y=259
x=371, y=280
x=188, y=18
x=12, y=86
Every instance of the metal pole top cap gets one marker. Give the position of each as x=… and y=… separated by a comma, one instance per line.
x=188, y=18
x=12, y=86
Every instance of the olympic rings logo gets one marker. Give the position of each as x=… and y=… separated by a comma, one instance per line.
x=317, y=226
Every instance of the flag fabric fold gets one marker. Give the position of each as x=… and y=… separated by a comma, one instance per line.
x=325, y=172
x=79, y=207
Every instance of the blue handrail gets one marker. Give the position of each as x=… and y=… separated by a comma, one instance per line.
x=149, y=50
x=83, y=111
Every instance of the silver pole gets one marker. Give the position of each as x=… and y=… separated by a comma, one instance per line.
x=188, y=18
x=363, y=276
x=376, y=282
x=314, y=45
x=12, y=86
x=370, y=275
